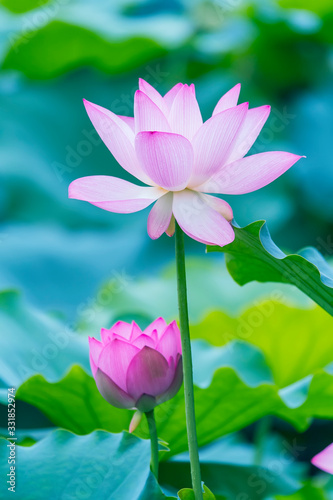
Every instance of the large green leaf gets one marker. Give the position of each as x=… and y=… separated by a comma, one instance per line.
x=253, y=256
x=100, y=465
x=86, y=47
x=237, y=394
x=22, y=5
x=74, y=403
x=231, y=467
x=321, y=7
x=33, y=342
x=89, y=411
x=295, y=342
x=74, y=35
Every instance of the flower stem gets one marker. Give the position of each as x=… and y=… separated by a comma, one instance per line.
x=187, y=364
x=153, y=442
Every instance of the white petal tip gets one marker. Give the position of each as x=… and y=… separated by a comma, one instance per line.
x=298, y=157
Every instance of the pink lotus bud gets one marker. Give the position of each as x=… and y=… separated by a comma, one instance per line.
x=135, y=369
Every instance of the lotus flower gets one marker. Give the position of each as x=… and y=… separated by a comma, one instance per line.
x=181, y=159
x=137, y=369
x=324, y=459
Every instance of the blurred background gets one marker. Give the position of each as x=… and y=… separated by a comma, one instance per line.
x=55, y=53
x=57, y=252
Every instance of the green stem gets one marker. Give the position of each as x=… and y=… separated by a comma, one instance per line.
x=153, y=442
x=187, y=365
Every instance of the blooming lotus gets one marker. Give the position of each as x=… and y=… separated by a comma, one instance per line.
x=137, y=369
x=181, y=160
x=324, y=459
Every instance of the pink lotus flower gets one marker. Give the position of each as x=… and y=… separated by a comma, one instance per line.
x=135, y=369
x=181, y=159
x=324, y=459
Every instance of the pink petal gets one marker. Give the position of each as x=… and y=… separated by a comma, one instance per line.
x=166, y=158
x=113, y=194
x=143, y=340
x=199, y=221
x=148, y=116
x=251, y=127
x=324, y=459
x=169, y=345
x=130, y=334
x=250, y=173
x=118, y=138
x=154, y=336
x=158, y=325
x=106, y=335
x=170, y=96
x=111, y=392
x=192, y=89
x=148, y=374
x=95, y=349
x=155, y=96
x=115, y=359
x=129, y=120
x=228, y=100
x=221, y=206
x=160, y=216
x=185, y=117
x=121, y=329
x=136, y=331
x=119, y=337
x=175, y=384
x=212, y=142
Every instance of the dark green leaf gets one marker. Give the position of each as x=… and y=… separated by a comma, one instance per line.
x=253, y=256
